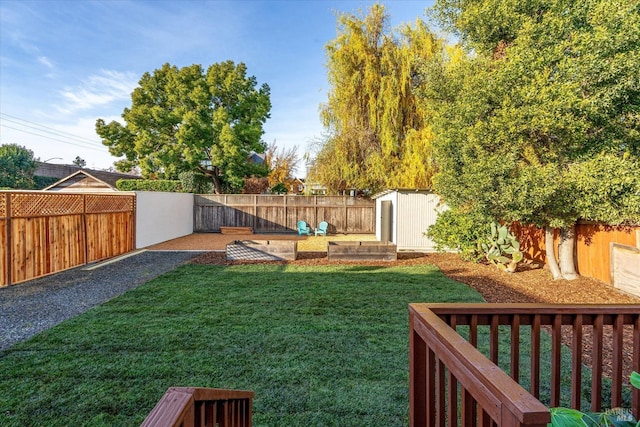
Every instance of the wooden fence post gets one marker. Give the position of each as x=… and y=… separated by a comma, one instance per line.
x=7, y=207
x=85, y=239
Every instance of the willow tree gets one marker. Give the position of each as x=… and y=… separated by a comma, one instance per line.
x=377, y=135
x=543, y=116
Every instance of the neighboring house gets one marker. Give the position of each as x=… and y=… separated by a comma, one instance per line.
x=69, y=179
x=296, y=186
x=314, y=189
x=90, y=181
x=257, y=158
x=52, y=170
x=404, y=215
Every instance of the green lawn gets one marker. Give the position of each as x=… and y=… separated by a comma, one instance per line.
x=320, y=346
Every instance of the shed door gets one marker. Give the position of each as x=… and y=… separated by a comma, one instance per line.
x=386, y=221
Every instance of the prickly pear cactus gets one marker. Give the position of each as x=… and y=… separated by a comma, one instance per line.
x=501, y=248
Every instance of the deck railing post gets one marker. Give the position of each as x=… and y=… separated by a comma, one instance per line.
x=417, y=378
x=507, y=419
x=468, y=412
x=635, y=393
x=430, y=388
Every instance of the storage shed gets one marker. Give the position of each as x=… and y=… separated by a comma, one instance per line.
x=403, y=215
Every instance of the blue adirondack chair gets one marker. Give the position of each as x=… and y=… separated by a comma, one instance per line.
x=303, y=228
x=322, y=228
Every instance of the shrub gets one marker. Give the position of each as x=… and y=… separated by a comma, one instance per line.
x=617, y=417
x=197, y=183
x=172, y=186
x=461, y=231
x=255, y=185
x=279, y=188
x=44, y=181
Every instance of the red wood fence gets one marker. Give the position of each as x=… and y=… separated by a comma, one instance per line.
x=441, y=361
x=592, y=246
x=43, y=233
x=194, y=406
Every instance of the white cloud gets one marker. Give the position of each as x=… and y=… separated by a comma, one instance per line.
x=46, y=62
x=98, y=90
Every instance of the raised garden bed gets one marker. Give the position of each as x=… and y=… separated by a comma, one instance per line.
x=262, y=250
x=236, y=230
x=362, y=251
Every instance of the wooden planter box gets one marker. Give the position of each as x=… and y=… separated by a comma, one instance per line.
x=362, y=251
x=236, y=230
x=262, y=250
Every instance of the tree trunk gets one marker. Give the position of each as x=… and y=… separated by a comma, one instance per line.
x=217, y=184
x=565, y=253
x=551, y=256
x=214, y=174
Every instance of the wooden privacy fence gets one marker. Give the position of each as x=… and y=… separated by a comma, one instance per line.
x=43, y=233
x=268, y=214
x=452, y=383
x=593, y=250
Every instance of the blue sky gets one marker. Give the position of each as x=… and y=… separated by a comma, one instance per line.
x=63, y=64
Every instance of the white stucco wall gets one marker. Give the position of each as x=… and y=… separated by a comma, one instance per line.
x=162, y=216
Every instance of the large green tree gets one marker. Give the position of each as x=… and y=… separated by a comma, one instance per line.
x=186, y=119
x=550, y=91
x=17, y=166
x=377, y=135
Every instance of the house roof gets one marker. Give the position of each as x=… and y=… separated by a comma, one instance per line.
x=54, y=170
x=75, y=178
x=258, y=158
x=85, y=181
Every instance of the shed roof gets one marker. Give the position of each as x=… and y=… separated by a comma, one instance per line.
x=401, y=190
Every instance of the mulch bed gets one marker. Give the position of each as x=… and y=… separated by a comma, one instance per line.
x=530, y=284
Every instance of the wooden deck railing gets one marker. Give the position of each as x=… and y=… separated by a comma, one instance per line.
x=442, y=362
x=200, y=407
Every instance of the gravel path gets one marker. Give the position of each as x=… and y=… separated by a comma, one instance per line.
x=29, y=308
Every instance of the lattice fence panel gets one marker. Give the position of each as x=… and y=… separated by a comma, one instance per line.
x=109, y=203
x=3, y=205
x=37, y=204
